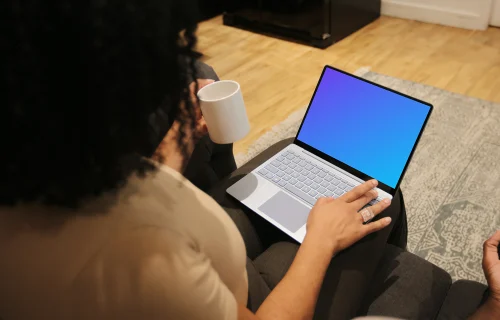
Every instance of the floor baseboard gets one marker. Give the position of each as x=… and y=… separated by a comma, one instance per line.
x=439, y=14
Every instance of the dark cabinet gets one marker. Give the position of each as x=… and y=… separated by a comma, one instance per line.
x=319, y=23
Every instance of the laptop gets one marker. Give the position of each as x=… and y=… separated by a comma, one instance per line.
x=354, y=130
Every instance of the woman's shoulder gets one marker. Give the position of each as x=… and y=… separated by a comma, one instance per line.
x=153, y=271
x=167, y=199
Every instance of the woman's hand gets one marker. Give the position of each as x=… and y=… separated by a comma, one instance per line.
x=337, y=224
x=168, y=152
x=201, y=125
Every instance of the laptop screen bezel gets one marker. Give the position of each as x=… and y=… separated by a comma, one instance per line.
x=343, y=166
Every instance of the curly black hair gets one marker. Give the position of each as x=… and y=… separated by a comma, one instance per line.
x=80, y=82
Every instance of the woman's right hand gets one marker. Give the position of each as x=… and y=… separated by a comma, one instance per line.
x=337, y=223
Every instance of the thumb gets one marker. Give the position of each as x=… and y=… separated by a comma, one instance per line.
x=204, y=82
x=200, y=83
x=201, y=128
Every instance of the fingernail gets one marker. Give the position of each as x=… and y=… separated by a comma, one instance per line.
x=387, y=220
x=374, y=193
x=374, y=182
x=387, y=201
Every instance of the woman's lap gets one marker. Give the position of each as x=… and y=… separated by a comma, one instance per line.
x=347, y=280
x=257, y=233
x=349, y=274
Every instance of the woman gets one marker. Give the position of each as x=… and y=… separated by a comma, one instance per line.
x=88, y=228
x=91, y=230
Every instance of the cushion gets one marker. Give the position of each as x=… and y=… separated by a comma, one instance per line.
x=275, y=261
x=464, y=297
x=406, y=286
x=258, y=290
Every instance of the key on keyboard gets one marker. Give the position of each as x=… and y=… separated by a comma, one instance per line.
x=307, y=181
x=301, y=194
x=271, y=168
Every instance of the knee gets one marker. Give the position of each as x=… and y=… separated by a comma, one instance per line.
x=204, y=71
x=397, y=206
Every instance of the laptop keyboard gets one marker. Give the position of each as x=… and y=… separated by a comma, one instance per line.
x=300, y=176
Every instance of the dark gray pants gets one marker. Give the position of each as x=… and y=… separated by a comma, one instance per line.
x=350, y=272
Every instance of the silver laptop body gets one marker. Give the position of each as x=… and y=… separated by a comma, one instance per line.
x=284, y=189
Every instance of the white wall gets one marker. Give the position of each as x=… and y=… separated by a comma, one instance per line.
x=469, y=14
x=495, y=13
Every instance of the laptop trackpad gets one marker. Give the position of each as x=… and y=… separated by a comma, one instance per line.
x=287, y=211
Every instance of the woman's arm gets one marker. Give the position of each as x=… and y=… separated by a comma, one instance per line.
x=333, y=225
x=295, y=296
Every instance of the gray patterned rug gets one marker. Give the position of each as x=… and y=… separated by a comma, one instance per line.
x=452, y=187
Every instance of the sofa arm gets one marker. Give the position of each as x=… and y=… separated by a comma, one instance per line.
x=406, y=286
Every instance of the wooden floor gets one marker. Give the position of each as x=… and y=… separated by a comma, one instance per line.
x=278, y=77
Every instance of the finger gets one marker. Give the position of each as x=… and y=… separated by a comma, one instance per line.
x=204, y=82
x=374, y=210
x=376, y=225
x=200, y=83
x=194, y=87
x=329, y=199
x=365, y=199
x=199, y=114
x=490, y=250
x=367, y=214
x=359, y=191
x=201, y=127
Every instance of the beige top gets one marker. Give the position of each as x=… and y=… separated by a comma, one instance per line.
x=161, y=249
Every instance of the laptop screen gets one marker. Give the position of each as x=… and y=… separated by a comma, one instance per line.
x=367, y=127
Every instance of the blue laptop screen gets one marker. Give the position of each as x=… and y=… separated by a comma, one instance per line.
x=368, y=128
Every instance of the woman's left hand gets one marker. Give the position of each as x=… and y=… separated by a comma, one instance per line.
x=201, y=125
x=168, y=152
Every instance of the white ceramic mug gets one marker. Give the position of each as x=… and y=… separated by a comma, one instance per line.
x=224, y=111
